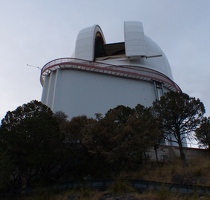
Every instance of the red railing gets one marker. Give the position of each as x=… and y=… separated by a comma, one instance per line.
x=128, y=71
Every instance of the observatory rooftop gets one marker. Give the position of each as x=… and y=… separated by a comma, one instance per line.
x=137, y=49
x=137, y=57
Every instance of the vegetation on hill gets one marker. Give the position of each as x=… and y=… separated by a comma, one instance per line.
x=170, y=172
x=42, y=148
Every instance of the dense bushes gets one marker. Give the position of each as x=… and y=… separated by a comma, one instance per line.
x=38, y=147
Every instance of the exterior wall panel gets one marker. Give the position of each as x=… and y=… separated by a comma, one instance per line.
x=80, y=93
x=45, y=89
x=51, y=89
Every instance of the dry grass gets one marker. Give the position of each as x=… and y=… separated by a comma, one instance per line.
x=67, y=195
x=163, y=194
x=197, y=172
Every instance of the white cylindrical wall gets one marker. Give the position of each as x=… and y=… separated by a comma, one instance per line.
x=86, y=93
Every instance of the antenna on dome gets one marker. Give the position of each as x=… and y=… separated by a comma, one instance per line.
x=153, y=56
x=33, y=66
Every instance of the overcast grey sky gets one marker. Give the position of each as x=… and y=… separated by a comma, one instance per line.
x=37, y=31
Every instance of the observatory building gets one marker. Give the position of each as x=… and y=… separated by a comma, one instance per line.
x=100, y=76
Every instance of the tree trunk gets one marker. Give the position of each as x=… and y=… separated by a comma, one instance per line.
x=24, y=185
x=182, y=154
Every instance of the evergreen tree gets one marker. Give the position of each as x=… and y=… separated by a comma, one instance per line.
x=178, y=115
x=31, y=141
x=203, y=133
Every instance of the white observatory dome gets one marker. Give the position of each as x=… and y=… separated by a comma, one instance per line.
x=138, y=49
x=100, y=76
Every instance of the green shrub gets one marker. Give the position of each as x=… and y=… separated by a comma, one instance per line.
x=121, y=186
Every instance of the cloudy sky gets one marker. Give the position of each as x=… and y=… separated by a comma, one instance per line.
x=36, y=31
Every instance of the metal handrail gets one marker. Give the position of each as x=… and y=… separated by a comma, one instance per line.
x=133, y=72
